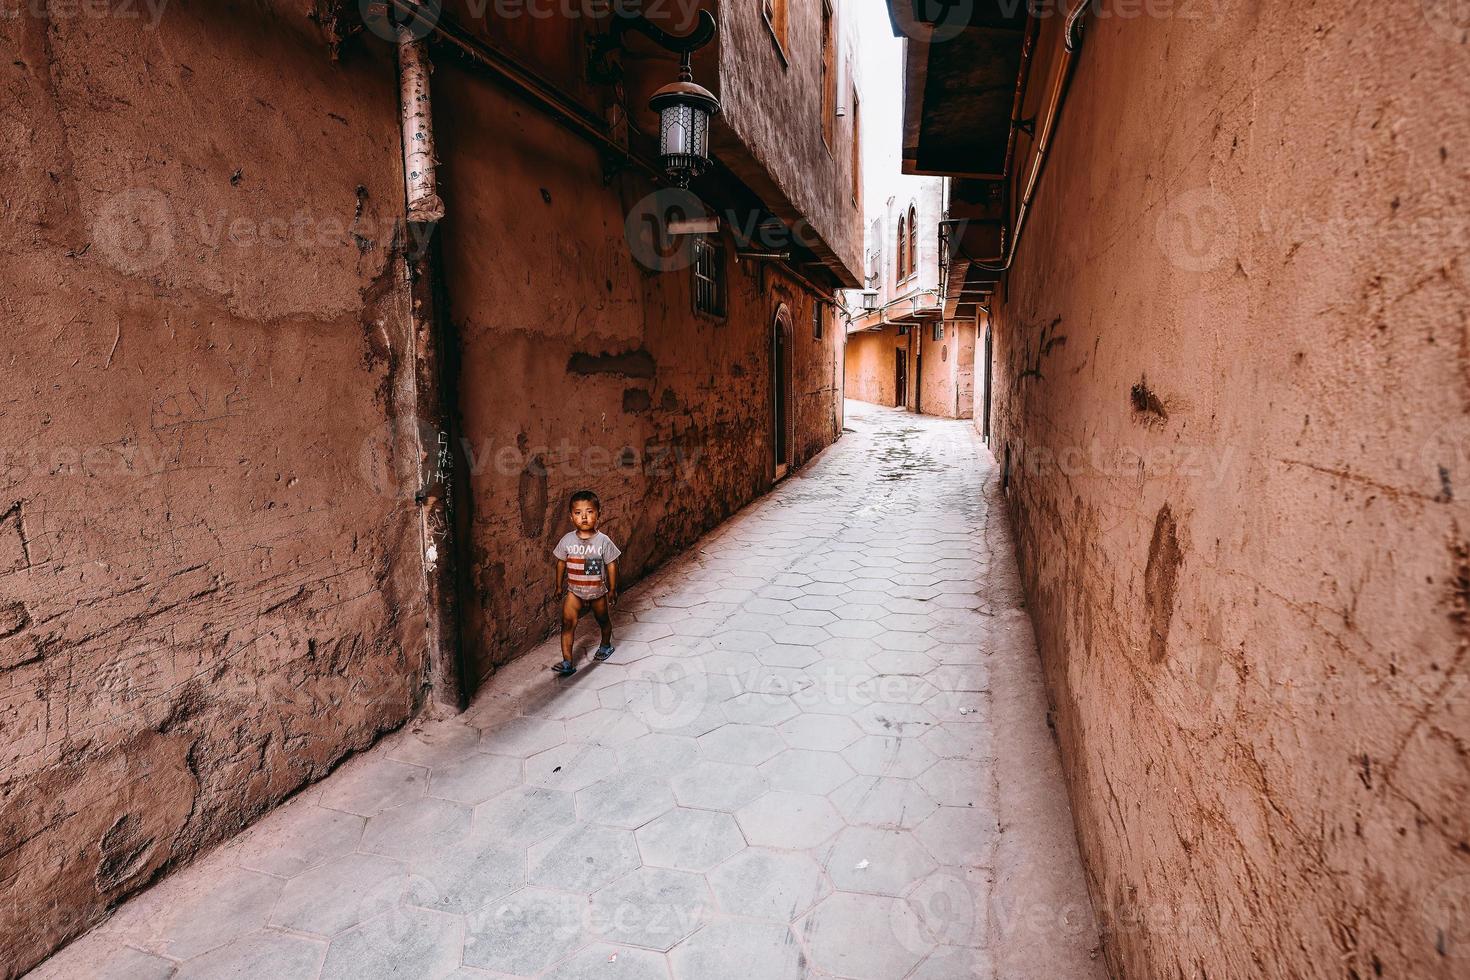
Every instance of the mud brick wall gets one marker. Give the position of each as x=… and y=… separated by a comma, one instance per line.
x=208, y=592
x=1232, y=388
x=586, y=367
x=210, y=579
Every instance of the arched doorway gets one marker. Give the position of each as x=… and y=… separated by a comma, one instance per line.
x=782, y=425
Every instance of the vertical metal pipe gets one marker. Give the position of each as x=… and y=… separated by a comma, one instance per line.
x=432, y=390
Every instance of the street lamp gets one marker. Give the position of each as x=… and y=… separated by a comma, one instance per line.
x=685, y=110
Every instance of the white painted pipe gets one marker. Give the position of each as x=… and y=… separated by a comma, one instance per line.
x=420, y=166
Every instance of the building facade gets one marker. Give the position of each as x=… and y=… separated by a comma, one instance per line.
x=1226, y=340
x=212, y=574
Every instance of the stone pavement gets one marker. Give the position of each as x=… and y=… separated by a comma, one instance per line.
x=820, y=751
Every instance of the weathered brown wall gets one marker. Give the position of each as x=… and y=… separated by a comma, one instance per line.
x=582, y=368
x=207, y=575
x=1233, y=389
x=870, y=357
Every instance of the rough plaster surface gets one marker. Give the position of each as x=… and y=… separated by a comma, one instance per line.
x=1232, y=390
x=584, y=368
x=206, y=604
x=209, y=567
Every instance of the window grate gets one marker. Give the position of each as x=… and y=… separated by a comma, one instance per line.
x=709, y=278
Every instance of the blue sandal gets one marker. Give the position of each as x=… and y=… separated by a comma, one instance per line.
x=604, y=652
x=564, y=669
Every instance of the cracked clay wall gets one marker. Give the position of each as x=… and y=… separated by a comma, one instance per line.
x=208, y=575
x=1232, y=391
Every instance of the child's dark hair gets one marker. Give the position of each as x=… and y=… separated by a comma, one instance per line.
x=586, y=495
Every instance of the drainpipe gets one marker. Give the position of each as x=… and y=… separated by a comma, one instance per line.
x=432, y=391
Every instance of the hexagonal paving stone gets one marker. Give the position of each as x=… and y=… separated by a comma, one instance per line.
x=602, y=961
x=902, y=662
x=462, y=879
x=429, y=743
x=474, y=778
x=880, y=801
x=730, y=949
x=718, y=785
x=571, y=766
x=689, y=840
x=959, y=836
x=883, y=862
x=824, y=602
x=373, y=786
x=652, y=907
x=558, y=703
x=789, y=820
x=809, y=617
x=525, y=814
x=746, y=641
x=788, y=655
x=340, y=894
x=889, y=718
x=728, y=662
x=803, y=771
x=658, y=752
x=866, y=937
x=300, y=837
x=606, y=726
x=406, y=831
x=888, y=755
x=96, y=961
x=745, y=744
x=404, y=942
x=957, y=782
x=909, y=622
x=760, y=709
x=526, y=932
x=954, y=908
x=260, y=954
x=961, y=741
x=767, y=884
x=856, y=629
x=522, y=737
x=235, y=903
x=956, y=963
x=961, y=677
x=583, y=859
x=820, y=733
x=898, y=689
x=627, y=800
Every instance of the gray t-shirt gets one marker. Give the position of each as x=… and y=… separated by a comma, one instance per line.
x=587, y=563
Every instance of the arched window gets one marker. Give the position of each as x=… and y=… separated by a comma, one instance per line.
x=913, y=259
x=903, y=249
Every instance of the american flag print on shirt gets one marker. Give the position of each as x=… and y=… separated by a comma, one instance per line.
x=587, y=563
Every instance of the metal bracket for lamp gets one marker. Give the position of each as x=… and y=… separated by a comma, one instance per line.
x=684, y=107
x=604, y=70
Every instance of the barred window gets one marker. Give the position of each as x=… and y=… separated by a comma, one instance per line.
x=709, y=278
x=817, y=319
x=938, y=329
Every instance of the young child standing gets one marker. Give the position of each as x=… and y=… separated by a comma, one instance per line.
x=587, y=569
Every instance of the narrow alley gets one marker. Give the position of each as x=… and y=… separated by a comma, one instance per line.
x=820, y=750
